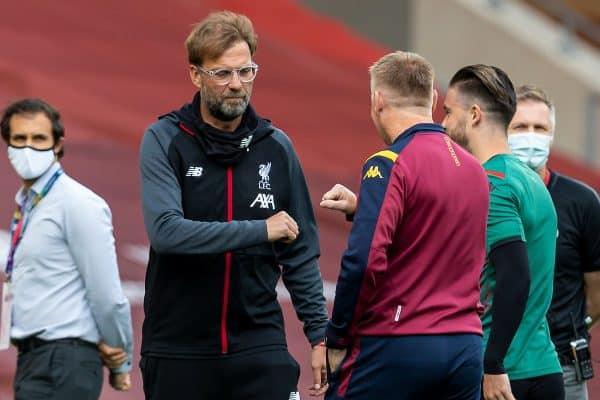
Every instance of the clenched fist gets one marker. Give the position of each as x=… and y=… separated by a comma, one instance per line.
x=121, y=382
x=340, y=198
x=282, y=226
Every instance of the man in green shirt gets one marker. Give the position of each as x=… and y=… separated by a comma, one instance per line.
x=516, y=282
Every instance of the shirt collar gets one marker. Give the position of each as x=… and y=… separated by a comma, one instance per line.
x=423, y=127
x=38, y=185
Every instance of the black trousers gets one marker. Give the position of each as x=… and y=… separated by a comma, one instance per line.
x=266, y=375
x=59, y=371
x=546, y=387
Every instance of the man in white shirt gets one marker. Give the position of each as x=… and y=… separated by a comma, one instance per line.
x=62, y=274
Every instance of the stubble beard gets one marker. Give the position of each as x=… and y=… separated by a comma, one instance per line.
x=459, y=135
x=223, y=109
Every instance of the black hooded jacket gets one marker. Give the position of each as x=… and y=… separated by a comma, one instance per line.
x=212, y=274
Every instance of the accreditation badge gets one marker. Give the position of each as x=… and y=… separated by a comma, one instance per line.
x=5, y=316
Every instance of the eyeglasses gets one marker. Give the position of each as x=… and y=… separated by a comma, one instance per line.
x=223, y=76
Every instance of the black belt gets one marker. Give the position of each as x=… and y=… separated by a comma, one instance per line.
x=31, y=343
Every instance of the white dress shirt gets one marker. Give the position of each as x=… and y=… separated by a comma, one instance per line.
x=65, y=280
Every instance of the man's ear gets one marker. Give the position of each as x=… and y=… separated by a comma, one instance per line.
x=58, y=146
x=475, y=115
x=435, y=100
x=378, y=101
x=195, y=76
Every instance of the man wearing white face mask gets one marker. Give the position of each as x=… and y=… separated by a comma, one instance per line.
x=531, y=132
x=532, y=147
x=62, y=300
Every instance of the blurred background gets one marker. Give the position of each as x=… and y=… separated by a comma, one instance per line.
x=112, y=66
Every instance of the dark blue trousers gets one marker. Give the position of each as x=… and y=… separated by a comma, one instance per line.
x=423, y=367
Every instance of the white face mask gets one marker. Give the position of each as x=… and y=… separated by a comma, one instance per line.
x=30, y=163
x=530, y=147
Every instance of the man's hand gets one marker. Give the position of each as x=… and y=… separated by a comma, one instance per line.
x=112, y=357
x=319, y=369
x=340, y=198
x=120, y=381
x=335, y=357
x=282, y=226
x=496, y=387
x=592, y=293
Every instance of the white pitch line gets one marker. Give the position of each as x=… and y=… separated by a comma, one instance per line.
x=139, y=255
x=134, y=290
x=135, y=253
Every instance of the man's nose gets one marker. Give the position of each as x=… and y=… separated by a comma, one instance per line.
x=235, y=82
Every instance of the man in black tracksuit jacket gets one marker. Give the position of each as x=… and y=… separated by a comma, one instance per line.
x=227, y=212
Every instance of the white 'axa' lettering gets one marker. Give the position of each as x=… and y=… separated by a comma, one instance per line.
x=265, y=201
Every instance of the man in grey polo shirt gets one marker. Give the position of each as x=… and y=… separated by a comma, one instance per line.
x=62, y=274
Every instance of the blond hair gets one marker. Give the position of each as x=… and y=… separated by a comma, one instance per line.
x=535, y=93
x=407, y=77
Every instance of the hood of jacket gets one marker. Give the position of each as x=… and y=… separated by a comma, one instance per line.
x=223, y=147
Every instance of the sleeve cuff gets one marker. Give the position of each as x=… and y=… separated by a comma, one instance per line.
x=125, y=367
x=264, y=230
x=493, y=367
x=334, y=340
x=316, y=336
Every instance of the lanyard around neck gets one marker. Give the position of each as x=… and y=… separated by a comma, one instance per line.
x=18, y=225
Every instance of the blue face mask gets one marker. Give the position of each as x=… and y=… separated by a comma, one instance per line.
x=530, y=147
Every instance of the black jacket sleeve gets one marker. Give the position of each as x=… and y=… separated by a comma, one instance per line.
x=511, y=263
x=168, y=230
x=301, y=274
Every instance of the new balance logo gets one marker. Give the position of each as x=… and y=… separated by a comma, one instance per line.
x=245, y=142
x=265, y=201
x=194, y=171
x=294, y=396
x=373, y=172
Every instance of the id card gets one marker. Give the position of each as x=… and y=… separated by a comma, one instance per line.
x=5, y=316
